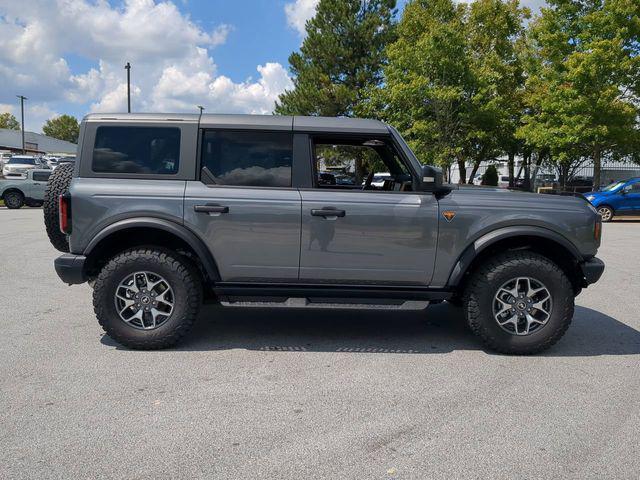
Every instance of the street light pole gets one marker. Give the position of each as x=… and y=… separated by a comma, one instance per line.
x=127, y=67
x=22, y=99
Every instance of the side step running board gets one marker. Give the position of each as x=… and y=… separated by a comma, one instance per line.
x=306, y=303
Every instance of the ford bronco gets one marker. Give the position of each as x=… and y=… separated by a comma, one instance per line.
x=163, y=212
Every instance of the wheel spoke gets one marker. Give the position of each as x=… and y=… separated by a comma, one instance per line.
x=138, y=302
x=522, y=305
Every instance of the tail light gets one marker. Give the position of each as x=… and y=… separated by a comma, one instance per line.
x=64, y=213
x=597, y=229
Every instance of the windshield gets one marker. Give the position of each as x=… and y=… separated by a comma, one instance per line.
x=24, y=161
x=612, y=186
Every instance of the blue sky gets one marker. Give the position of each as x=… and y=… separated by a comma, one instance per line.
x=67, y=56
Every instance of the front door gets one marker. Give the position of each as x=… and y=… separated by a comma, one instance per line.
x=36, y=190
x=244, y=207
x=363, y=223
x=630, y=198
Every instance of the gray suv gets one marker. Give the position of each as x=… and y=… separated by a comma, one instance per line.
x=163, y=212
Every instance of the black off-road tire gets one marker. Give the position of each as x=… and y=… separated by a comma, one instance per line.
x=57, y=185
x=179, y=272
x=489, y=277
x=13, y=200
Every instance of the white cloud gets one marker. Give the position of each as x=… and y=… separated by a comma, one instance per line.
x=172, y=68
x=299, y=12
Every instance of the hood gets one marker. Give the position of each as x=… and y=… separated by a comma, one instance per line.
x=491, y=196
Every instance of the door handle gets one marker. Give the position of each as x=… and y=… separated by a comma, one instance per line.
x=211, y=208
x=327, y=212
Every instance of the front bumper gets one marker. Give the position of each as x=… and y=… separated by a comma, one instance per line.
x=592, y=270
x=70, y=268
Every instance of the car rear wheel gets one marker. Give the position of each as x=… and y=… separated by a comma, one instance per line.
x=147, y=298
x=606, y=213
x=519, y=303
x=13, y=200
x=57, y=185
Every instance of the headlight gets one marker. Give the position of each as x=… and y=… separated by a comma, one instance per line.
x=590, y=197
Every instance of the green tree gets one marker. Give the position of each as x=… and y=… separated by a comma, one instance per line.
x=7, y=120
x=584, y=81
x=453, y=79
x=340, y=57
x=495, y=32
x=64, y=127
x=427, y=81
x=490, y=177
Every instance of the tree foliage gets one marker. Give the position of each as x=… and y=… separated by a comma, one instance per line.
x=470, y=83
x=7, y=120
x=582, y=92
x=340, y=57
x=64, y=127
x=453, y=80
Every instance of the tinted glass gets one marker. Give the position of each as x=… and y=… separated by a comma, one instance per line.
x=22, y=160
x=41, y=176
x=144, y=150
x=252, y=159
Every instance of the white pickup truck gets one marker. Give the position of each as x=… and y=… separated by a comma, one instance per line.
x=19, y=191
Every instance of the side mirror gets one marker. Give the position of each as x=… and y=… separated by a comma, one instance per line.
x=431, y=178
x=625, y=190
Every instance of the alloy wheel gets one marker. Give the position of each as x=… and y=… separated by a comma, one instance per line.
x=522, y=306
x=144, y=300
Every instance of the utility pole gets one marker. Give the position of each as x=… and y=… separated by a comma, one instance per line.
x=22, y=99
x=127, y=67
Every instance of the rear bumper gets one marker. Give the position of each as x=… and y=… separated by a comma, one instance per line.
x=70, y=268
x=592, y=270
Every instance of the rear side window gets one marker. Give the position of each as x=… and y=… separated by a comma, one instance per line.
x=41, y=176
x=143, y=150
x=251, y=159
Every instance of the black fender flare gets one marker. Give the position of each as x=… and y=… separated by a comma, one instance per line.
x=180, y=231
x=472, y=251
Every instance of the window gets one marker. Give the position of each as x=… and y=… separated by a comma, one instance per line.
x=359, y=164
x=142, y=150
x=635, y=187
x=251, y=159
x=22, y=161
x=41, y=176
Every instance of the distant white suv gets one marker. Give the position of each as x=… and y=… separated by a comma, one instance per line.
x=19, y=165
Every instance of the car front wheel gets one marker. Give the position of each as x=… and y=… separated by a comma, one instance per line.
x=13, y=200
x=606, y=213
x=519, y=303
x=147, y=298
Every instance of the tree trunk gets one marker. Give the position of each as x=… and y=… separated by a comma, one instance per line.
x=474, y=170
x=510, y=166
x=527, y=171
x=462, y=169
x=597, y=167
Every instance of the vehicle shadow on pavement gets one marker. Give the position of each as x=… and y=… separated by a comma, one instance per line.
x=439, y=329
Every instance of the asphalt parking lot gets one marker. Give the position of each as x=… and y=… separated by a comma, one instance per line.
x=257, y=393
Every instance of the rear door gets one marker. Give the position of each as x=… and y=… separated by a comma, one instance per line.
x=243, y=205
x=361, y=232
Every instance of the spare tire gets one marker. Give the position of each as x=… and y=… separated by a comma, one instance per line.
x=57, y=185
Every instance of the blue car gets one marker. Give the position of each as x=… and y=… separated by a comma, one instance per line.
x=619, y=198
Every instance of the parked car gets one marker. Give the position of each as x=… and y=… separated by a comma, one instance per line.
x=4, y=157
x=618, y=198
x=19, y=165
x=247, y=220
x=18, y=191
x=580, y=184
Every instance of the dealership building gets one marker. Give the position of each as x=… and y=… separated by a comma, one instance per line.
x=34, y=143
